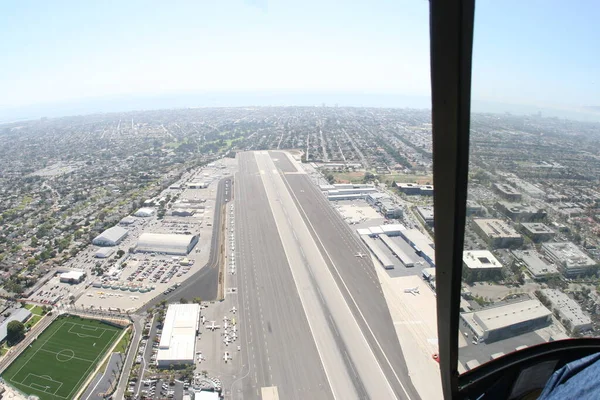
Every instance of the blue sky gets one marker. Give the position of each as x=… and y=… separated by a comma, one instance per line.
x=526, y=52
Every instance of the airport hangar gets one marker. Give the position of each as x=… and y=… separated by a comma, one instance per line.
x=111, y=237
x=178, y=341
x=166, y=243
x=497, y=323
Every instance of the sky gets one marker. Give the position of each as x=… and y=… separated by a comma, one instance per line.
x=534, y=52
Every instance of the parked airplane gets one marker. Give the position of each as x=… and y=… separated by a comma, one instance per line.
x=359, y=254
x=233, y=310
x=226, y=357
x=226, y=324
x=203, y=319
x=226, y=340
x=212, y=326
x=414, y=290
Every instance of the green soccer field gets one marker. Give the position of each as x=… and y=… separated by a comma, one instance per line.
x=59, y=361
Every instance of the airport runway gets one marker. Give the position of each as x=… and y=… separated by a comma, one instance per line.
x=279, y=349
x=355, y=277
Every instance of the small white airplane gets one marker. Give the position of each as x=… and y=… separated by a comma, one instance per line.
x=233, y=310
x=203, y=319
x=226, y=357
x=212, y=326
x=413, y=291
x=226, y=325
x=234, y=329
x=359, y=254
x=226, y=340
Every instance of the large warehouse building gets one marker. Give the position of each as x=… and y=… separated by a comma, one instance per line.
x=165, y=243
x=496, y=323
x=111, y=237
x=178, y=341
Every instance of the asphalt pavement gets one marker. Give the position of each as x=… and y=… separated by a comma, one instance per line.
x=356, y=278
x=204, y=282
x=280, y=349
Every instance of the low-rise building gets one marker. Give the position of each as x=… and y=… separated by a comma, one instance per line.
x=567, y=309
x=480, y=265
x=111, y=237
x=426, y=214
x=497, y=233
x=537, y=268
x=178, y=340
x=537, y=231
x=507, y=192
x=571, y=260
x=508, y=320
x=520, y=212
x=421, y=243
x=144, y=212
x=474, y=208
x=21, y=315
x=415, y=189
x=104, y=252
x=72, y=277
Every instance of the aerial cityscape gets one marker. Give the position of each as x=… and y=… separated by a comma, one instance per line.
x=281, y=252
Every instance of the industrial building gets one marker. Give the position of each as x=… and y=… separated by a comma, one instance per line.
x=422, y=244
x=537, y=268
x=480, y=265
x=377, y=252
x=21, y=315
x=497, y=323
x=507, y=192
x=166, y=243
x=374, y=198
x=426, y=214
x=571, y=260
x=72, y=277
x=567, y=309
x=348, y=191
x=144, y=212
x=537, y=231
x=397, y=251
x=415, y=189
x=520, y=212
x=497, y=233
x=111, y=237
x=388, y=229
x=178, y=341
x=104, y=252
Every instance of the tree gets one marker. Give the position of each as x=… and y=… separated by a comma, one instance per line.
x=15, y=332
x=183, y=300
x=120, y=253
x=197, y=300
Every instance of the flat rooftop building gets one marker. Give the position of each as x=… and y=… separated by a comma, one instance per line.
x=496, y=323
x=144, y=212
x=422, y=244
x=521, y=212
x=426, y=213
x=415, y=188
x=537, y=231
x=111, y=237
x=480, y=265
x=166, y=243
x=178, y=341
x=506, y=191
x=572, y=261
x=497, y=233
x=568, y=310
x=537, y=268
